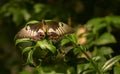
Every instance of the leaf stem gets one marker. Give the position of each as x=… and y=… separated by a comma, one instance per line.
x=92, y=62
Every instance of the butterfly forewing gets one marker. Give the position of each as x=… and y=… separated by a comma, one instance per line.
x=57, y=29
x=33, y=31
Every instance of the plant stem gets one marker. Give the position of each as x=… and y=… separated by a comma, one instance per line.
x=92, y=62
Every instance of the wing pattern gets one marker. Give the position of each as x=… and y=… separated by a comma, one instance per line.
x=53, y=30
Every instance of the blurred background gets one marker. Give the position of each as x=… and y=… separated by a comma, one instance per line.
x=15, y=13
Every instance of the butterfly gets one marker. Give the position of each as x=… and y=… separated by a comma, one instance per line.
x=52, y=30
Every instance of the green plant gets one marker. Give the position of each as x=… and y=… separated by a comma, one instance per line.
x=101, y=39
x=64, y=56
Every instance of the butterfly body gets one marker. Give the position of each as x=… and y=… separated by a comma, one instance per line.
x=53, y=30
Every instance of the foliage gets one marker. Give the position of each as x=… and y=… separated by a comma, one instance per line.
x=48, y=56
x=100, y=37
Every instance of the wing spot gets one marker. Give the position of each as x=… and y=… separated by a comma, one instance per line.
x=61, y=24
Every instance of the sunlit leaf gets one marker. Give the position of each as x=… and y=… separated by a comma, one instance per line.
x=22, y=40
x=64, y=41
x=41, y=44
x=105, y=38
x=45, y=45
x=110, y=63
x=52, y=48
x=30, y=58
x=32, y=22
x=72, y=37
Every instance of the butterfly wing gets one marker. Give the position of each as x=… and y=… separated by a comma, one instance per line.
x=33, y=31
x=57, y=29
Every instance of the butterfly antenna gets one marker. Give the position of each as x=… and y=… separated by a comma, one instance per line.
x=44, y=25
x=43, y=22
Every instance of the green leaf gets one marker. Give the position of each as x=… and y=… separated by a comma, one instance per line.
x=95, y=21
x=51, y=47
x=64, y=41
x=115, y=20
x=83, y=67
x=74, y=38
x=32, y=22
x=98, y=27
x=17, y=13
x=48, y=20
x=30, y=58
x=25, y=72
x=117, y=70
x=39, y=70
x=26, y=49
x=110, y=63
x=82, y=47
x=89, y=71
x=41, y=44
x=71, y=37
x=97, y=24
x=25, y=14
x=45, y=45
x=103, y=50
x=23, y=40
x=76, y=51
x=38, y=7
x=105, y=38
x=108, y=19
x=117, y=25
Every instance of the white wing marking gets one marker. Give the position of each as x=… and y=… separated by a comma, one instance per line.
x=51, y=30
x=40, y=30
